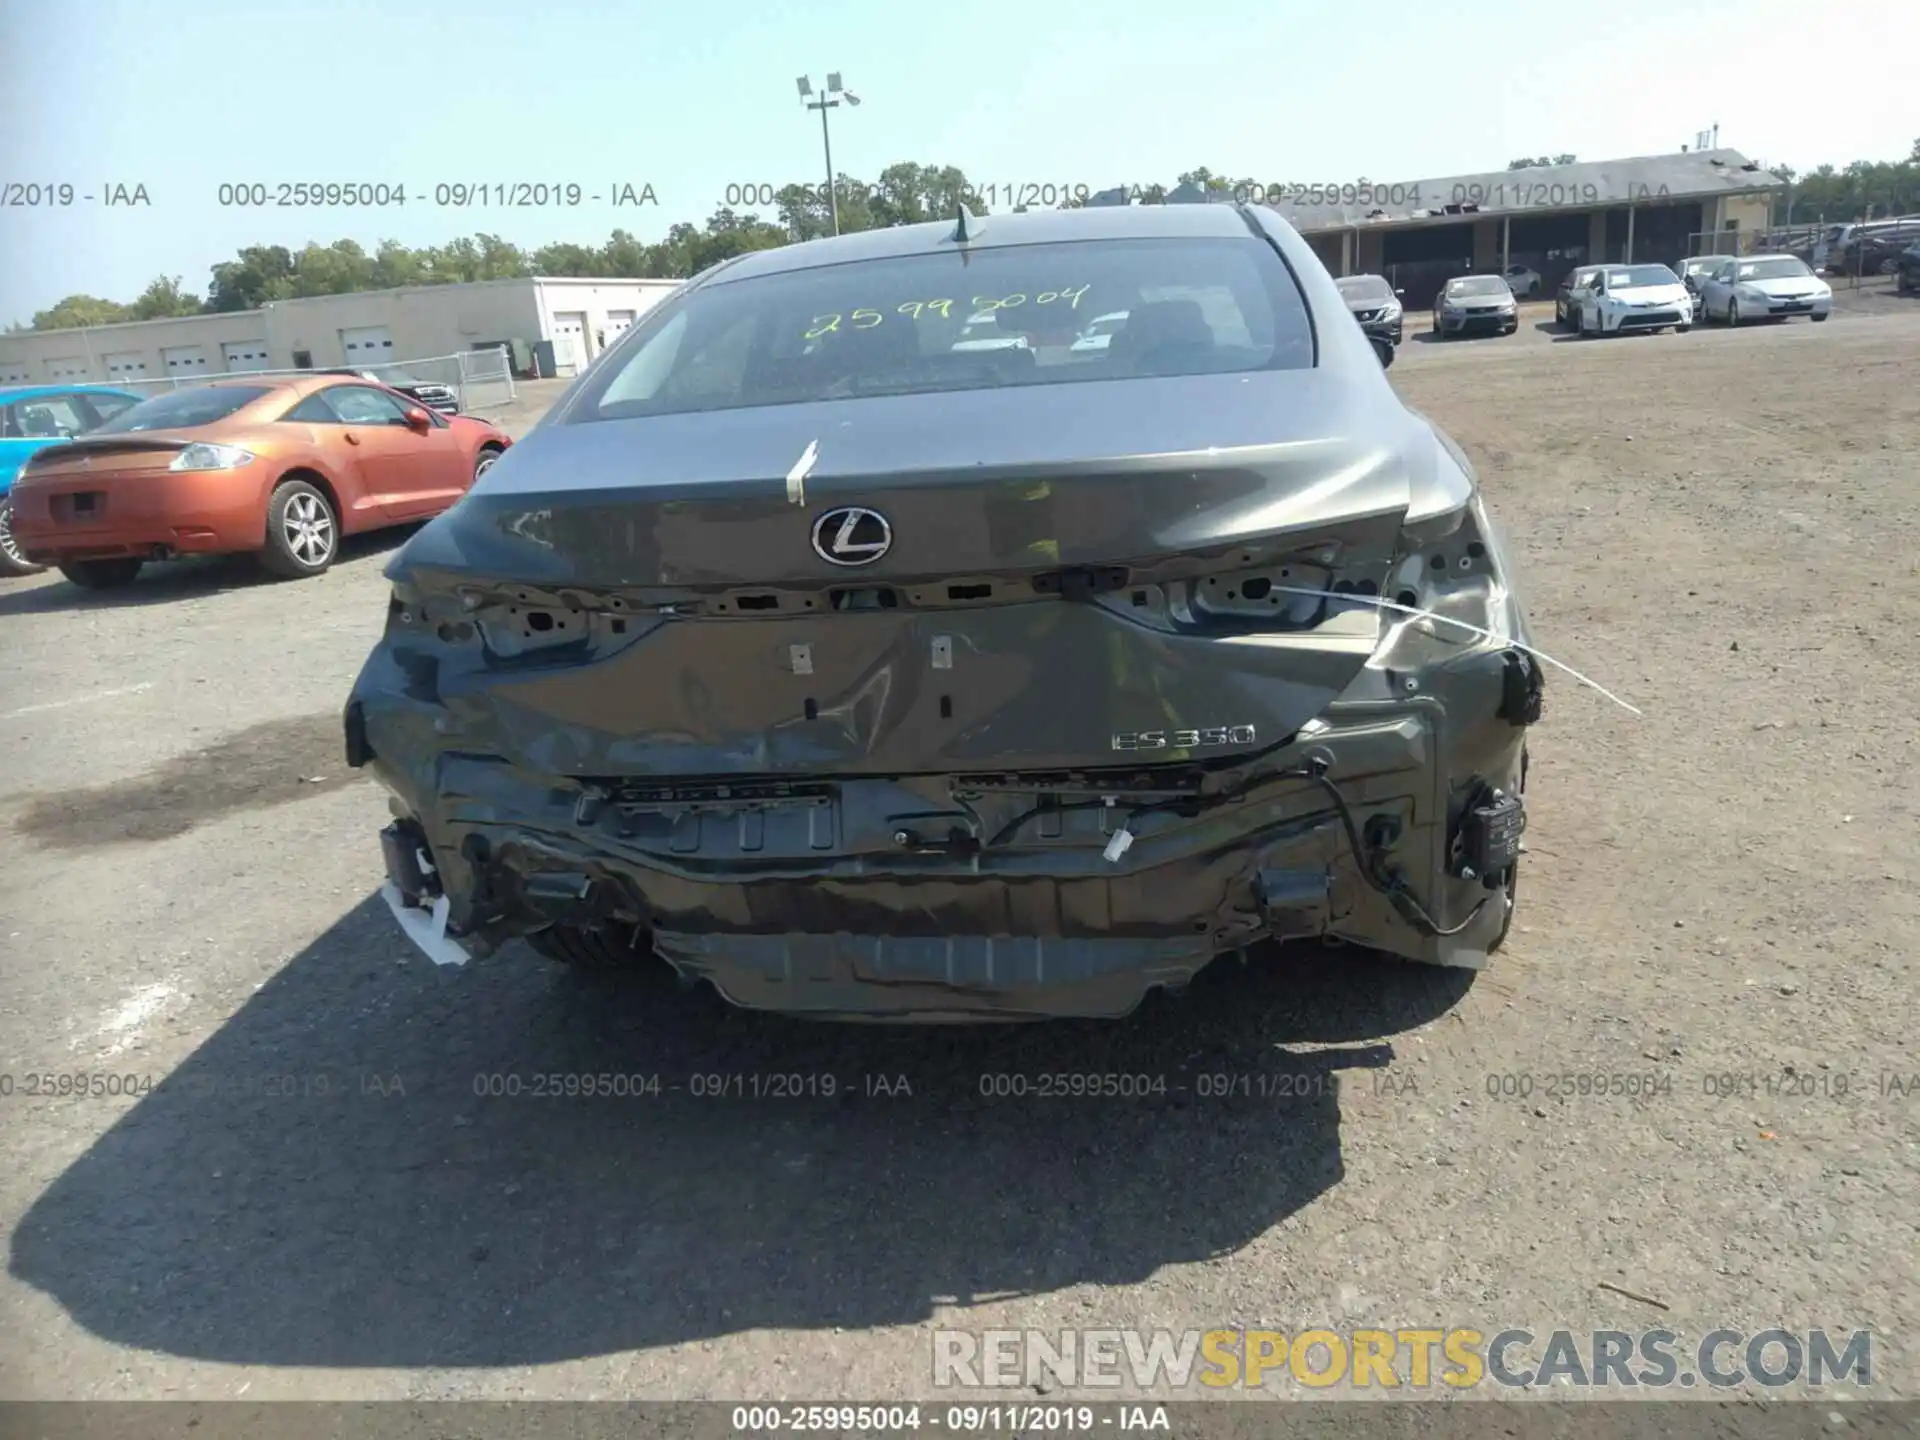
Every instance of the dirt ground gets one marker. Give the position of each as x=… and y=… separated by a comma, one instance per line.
x=1722, y=897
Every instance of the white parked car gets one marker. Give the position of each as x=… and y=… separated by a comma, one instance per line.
x=1523, y=280
x=1635, y=297
x=1099, y=334
x=1761, y=287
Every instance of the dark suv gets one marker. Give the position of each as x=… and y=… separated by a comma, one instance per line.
x=1376, y=305
x=1907, y=271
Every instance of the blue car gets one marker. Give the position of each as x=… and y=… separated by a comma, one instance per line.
x=33, y=417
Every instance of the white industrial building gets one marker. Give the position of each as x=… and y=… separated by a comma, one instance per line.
x=579, y=317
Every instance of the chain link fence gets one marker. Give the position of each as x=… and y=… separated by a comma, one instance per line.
x=479, y=379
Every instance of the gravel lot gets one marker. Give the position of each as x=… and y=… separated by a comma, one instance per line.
x=1728, y=884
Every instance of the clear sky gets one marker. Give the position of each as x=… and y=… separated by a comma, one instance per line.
x=183, y=95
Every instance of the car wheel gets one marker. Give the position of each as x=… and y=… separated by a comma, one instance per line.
x=484, y=461
x=1681, y=329
x=12, y=562
x=1818, y=318
x=591, y=948
x=101, y=574
x=303, y=533
x=1733, y=313
x=1889, y=266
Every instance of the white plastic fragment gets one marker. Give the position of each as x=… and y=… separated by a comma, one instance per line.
x=797, y=476
x=428, y=931
x=1117, y=846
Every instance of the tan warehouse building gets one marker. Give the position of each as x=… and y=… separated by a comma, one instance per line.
x=577, y=317
x=1549, y=218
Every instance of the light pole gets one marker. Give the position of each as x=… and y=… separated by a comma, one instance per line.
x=829, y=98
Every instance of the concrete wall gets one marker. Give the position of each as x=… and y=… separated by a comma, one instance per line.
x=424, y=321
x=52, y=355
x=1751, y=212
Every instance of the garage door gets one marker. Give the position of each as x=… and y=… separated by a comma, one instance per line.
x=127, y=364
x=74, y=368
x=369, y=345
x=570, y=340
x=185, y=360
x=243, y=356
x=617, y=320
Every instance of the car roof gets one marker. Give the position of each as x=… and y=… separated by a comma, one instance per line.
x=1035, y=227
x=1458, y=279
x=28, y=392
x=296, y=384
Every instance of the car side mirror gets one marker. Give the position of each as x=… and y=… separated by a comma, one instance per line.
x=419, y=421
x=1401, y=293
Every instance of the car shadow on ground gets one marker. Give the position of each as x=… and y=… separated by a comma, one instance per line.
x=1433, y=337
x=328, y=1181
x=168, y=581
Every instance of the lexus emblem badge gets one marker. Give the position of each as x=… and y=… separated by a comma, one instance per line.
x=851, y=535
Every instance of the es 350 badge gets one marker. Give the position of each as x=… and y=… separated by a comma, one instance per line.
x=1183, y=739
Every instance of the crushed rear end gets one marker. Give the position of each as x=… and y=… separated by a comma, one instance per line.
x=1119, y=695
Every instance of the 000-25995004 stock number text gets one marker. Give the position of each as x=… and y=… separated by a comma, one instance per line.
x=454, y=194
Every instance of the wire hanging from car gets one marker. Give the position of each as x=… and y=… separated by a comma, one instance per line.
x=1385, y=604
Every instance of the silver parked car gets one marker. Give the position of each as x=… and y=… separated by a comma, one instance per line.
x=1762, y=287
x=1470, y=304
x=1574, y=289
x=1695, y=269
x=890, y=680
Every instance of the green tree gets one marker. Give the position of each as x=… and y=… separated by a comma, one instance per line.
x=164, y=299
x=395, y=265
x=337, y=269
x=566, y=257
x=261, y=273
x=78, y=311
x=624, y=255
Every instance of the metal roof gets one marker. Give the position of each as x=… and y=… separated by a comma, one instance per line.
x=1645, y=179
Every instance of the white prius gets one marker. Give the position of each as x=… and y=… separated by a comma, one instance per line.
x=1635, y=297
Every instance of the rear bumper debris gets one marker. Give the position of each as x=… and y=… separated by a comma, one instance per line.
x=885, y=898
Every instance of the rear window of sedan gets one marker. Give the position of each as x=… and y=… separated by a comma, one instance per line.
x=900, y=326
x=183, y=409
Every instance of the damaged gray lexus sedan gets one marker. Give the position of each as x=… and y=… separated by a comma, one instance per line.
x=864, y=675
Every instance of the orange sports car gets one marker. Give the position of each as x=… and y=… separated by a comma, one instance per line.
x=281, y=467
